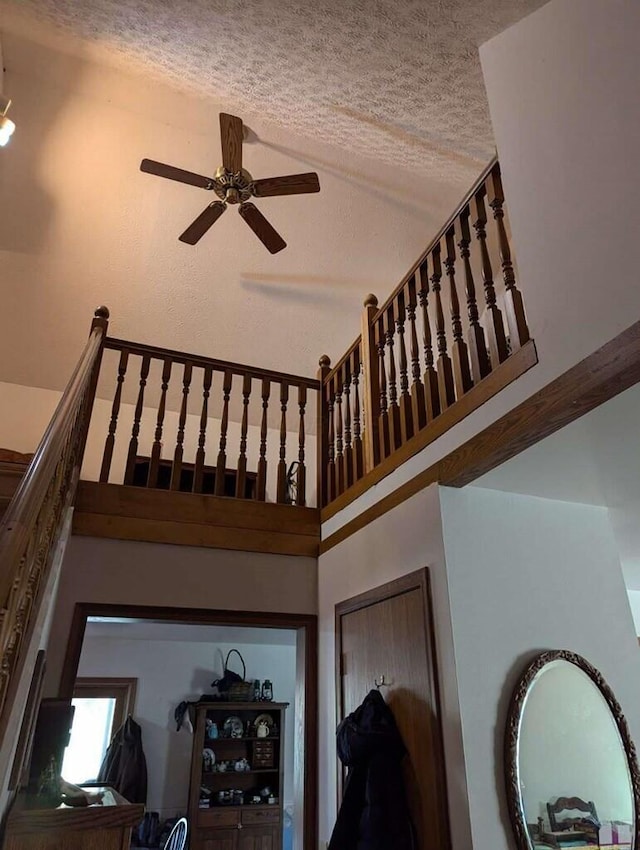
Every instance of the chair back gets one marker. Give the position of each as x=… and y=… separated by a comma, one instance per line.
x=177, y=839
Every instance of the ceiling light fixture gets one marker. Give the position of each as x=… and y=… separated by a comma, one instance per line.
x=6, y=124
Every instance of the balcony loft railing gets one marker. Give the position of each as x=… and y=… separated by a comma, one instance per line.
x=422, y=362
x=194, y=424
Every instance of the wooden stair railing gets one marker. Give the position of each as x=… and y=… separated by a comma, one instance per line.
x=261, y=464
x=448, y=337
x=32, y=523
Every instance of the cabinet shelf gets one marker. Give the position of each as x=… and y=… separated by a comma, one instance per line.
x=236, y=773
x=213, y=742
x=243, y=826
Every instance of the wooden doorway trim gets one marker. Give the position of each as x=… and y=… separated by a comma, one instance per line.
x=420, y=581
x=306, y=626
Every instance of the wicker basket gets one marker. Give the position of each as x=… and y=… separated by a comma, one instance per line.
x=238, y=691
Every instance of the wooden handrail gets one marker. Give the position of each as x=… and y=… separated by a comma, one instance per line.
x=357, y=341
x=23, y=508
x=439, y=235
x=219, y=365
x=34, y=519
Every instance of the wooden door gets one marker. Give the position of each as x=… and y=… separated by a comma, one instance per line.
x=258, y=838
x=388, y=633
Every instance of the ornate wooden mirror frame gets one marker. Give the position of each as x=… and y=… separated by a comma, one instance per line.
x=514, y=718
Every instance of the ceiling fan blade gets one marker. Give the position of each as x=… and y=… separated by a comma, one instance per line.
x=269, y=237
x=231, y=134
x=199, y=227
x=290, y=184
x=150, y=166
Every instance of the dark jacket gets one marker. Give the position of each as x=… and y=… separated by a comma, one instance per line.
x=374, y=814
x=124, y=766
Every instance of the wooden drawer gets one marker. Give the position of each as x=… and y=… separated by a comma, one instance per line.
x=218, y=817
x=259, y=816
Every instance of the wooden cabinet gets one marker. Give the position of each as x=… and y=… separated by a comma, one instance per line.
x=223, y=808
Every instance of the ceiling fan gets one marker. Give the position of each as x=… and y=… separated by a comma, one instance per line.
x=234, y=185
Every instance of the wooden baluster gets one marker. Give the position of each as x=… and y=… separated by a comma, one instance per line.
x=348, y=444
x=371, y=385
x=498, y=348
x=198, y=472
x=301, y=479
x=418, y=407
x=446, y=388
x=221, y=464
x=137, y=415
x=430, y=378
x=480, y=364
x=337, y=394
x=176, y=468
x=459, y=351
x=406, y=413
x=383, y=419
x=322, y=435
x=395, y=434
x=282, y=464
x=156, y=449
x=513, y=304
x=358, y=454
x=241, y=477
x=113, y=424
x=261, y=484
x=331, y=446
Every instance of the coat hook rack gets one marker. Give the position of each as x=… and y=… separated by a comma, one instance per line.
x=381, y=683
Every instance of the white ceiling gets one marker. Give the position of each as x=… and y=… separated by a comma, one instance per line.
x=356, y=91
x=126, y=629
x=596, y=461
x=399, y=81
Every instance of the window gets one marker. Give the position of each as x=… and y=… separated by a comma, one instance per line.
x=101, y=707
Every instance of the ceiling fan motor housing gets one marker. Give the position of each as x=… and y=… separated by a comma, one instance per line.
x=234, y=188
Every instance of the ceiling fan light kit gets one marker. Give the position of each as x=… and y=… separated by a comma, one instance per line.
x=234, y=185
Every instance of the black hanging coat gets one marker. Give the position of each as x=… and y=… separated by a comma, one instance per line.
x=124, y=766
x=374, y=814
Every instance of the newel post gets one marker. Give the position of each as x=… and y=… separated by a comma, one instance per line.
x=371, y=385
x=322, y=433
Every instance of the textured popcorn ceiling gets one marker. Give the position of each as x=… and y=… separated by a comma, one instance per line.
x=398, y=80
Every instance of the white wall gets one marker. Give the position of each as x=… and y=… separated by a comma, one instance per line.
x=403, y=540
x=171, y=671
x=130, y=573
x=527, y=574
x=634, y=602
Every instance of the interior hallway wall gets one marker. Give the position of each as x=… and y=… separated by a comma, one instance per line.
x=131, y=573
x=171, y=671
x=403, y=540
x=525, y=575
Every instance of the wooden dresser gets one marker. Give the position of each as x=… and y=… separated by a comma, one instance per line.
x=97, y=827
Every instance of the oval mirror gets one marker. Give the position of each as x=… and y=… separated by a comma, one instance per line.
x=571, y=768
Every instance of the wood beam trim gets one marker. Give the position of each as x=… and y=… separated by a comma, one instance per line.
x=602, y=375
x=519, y=362
x=194, y=534
x=192, y=508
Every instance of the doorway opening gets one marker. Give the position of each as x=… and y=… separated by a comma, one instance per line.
x=168, y=656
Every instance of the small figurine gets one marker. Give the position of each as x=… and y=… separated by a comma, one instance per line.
x=263, y=729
